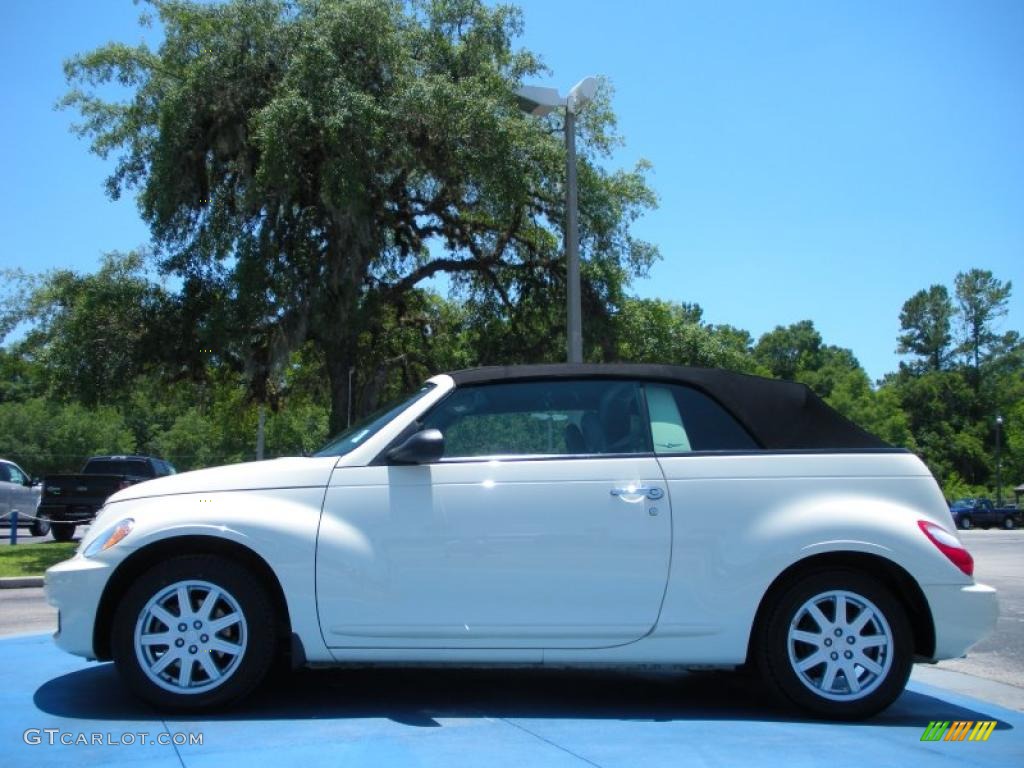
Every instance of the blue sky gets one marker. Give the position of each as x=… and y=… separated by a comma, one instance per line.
x=818, y=160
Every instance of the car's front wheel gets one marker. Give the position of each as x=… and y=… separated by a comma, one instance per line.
x=1009, y=523
x=965, y=522
x=837, y=644
x=195, y=631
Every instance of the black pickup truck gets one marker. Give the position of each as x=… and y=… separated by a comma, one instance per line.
x=70, y=500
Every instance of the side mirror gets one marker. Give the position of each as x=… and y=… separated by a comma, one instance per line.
x=424, y=447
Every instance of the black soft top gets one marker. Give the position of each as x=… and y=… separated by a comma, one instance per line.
x=778, y=414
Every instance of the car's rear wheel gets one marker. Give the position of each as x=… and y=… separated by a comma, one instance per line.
x=1009, y=523
x=193, y=632
x=40, y=526
x=62, y=531
x=965, y=522
x=838, y=644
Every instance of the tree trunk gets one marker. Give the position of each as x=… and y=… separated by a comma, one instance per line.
x=350, y=249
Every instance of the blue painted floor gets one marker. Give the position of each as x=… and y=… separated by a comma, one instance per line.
x=381, y=718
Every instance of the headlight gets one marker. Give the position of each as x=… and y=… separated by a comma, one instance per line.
x=109, y=537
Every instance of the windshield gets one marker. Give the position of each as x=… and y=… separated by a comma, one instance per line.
x=371, y=425
x=963, y=503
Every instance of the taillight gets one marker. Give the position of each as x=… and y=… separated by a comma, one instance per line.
x=949, y=545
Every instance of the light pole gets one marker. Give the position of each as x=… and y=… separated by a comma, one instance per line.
x=539, y=101
x=351, y=370
x=999, y=464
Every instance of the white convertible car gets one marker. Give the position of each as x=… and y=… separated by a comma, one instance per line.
x=557, y=514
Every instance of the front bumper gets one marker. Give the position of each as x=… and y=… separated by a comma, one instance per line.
x=963, y=616
x=75, y=587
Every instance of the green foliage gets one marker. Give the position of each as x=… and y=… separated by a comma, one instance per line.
x=46, y=436
x=511, y=432
x=788, y=350
x=955, y=487
x=88, y=333
x=657, y=331
x=982, y=300
x=926, y=322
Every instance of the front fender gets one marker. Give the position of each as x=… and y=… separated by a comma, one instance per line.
x=279, y=526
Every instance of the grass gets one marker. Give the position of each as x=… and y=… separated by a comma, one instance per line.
x=33, y=559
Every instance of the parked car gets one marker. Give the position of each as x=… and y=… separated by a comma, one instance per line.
x=19, y=493
x=556, y=514
x=982, y=513
x=71, y=500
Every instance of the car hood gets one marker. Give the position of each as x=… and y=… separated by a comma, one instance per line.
x=297, y=472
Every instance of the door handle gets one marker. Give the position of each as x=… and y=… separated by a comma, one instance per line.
x=638, y=490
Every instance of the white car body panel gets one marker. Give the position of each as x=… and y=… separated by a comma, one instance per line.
x=534, y=561
x=254, y=475
x=17, y=497
x=740, y=521
x=526, y=553
x=279, y=525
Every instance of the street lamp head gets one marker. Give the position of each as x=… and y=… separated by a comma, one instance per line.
x=539, y=101
x=582, y=93
x=999, y=420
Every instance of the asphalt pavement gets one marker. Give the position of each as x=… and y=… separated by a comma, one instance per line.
x=26, y=610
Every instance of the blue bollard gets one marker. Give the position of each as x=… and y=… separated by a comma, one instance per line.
x=14, y=527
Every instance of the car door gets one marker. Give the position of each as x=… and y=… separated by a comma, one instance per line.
x=545, y=524
x=5, y=490
x=21, y=499
x=987, y=513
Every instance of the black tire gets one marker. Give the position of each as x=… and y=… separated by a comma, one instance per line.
x=1009, y=523
x=965, y=522
x=63, y=531
x=258, y=636
x=40, y=526
x=778, y=664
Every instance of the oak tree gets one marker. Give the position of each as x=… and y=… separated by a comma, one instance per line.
x=310, y=162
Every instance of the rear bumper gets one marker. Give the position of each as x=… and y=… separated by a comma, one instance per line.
x=963, y=617
x=75, y=587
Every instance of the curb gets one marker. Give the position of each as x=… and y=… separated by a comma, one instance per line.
x=20, y=582
x=967, y=684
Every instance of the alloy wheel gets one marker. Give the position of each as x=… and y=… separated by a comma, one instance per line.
x=190, y=637
x=840, y=645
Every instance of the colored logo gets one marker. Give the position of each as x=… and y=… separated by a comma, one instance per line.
x=958, y=730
